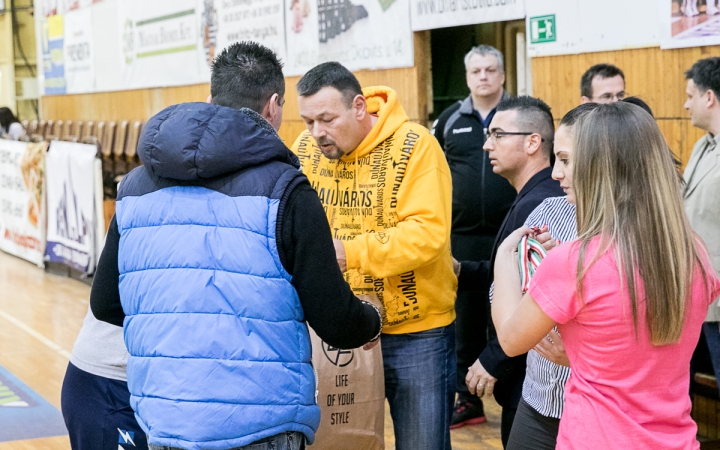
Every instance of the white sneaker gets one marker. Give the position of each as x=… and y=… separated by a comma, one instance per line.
x=711, y=9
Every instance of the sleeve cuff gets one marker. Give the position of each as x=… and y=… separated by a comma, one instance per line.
x=352, y=254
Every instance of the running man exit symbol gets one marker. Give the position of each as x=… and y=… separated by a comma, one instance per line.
x=542, y=29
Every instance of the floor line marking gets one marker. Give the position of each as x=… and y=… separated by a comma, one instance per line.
x=29, y=330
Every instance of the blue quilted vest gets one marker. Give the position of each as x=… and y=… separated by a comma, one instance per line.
x=220, y=354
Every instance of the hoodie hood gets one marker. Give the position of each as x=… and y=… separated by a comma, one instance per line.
x=381, y=101
x=191, y=141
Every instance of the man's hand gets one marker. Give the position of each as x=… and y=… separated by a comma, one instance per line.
x=480, y=382
x=551, y=348
x=456, y=267
x=371, y=345
x=340, y=255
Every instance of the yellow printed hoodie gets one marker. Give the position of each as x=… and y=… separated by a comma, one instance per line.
x=390, y=203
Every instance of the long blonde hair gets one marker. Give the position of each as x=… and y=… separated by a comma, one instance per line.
x=629, y=195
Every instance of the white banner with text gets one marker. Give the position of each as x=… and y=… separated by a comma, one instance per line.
x=22, y=199
x=430, y=14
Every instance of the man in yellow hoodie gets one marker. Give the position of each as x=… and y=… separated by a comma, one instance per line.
x=386, y=189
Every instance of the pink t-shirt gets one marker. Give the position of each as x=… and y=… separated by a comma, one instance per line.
x=624, y=392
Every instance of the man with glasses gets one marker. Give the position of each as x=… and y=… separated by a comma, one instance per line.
x=602, y=83
x=481, y=199
x=519, y=144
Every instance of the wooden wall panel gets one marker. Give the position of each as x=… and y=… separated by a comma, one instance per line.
x=657, y=76
x=410, y=83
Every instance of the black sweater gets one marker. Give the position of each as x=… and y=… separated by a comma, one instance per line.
x=510, y=372
x=331, y=309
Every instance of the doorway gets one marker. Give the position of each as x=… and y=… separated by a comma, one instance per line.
x=449, y=46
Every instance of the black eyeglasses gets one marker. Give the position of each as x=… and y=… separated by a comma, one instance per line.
x=494, y=135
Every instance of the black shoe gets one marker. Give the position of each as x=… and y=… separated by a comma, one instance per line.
x=468, y=411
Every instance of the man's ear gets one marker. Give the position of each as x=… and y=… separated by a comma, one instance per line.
x=584, y=100
x=534, y=144
x=359, y=104
x=209, y=99
x=272, y=111
x=712, y=99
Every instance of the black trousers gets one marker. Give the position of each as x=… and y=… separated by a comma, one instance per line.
x=506, y=423
x=532, y=431
x=97, y=413
x=472, y=308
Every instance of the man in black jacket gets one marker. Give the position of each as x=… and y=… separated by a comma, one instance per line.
x=519, y=144
x=481, y=199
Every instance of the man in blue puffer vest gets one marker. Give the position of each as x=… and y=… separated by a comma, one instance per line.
x=218, y=255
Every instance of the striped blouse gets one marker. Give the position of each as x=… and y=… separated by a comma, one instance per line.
x=544, y=385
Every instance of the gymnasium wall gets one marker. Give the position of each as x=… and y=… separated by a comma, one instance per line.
x=411, y=84
x=656, y=76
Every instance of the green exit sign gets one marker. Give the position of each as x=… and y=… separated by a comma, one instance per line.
x=542, y=29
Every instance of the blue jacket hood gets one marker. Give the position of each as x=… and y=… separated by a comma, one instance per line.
x=190, y=141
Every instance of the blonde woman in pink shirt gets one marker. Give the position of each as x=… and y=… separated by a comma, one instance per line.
x=629, y=295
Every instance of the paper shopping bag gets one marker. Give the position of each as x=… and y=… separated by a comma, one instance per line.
x=351, y=395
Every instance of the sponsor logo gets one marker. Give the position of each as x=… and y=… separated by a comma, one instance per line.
x=336, y=356
x=126, y=437
x=462, y=130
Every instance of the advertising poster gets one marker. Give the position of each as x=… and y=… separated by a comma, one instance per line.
x=261, y=21
x=689, y=23
x=161, y=43
x=52, y=36
x=347, y=31
x=22, y=199
x=71, y=205
x=78, y=52
x=430, y=14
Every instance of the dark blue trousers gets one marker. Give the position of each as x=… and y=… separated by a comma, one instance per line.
x=97, y=413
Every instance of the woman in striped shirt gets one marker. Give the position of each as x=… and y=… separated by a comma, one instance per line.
x=538, y=415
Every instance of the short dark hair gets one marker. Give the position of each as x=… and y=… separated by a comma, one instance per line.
x=533, y=115
x=604, y=71
x=637, y=101
x=330, y=74
x=706, y=75
x=245, y=75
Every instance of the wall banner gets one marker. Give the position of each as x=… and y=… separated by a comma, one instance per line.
x=111, y=45
x=53, y=65
x=161, y=44
x=22, y=199
x=689, y=23
x=71, y=205
x=78, y=52
x=430, y=14
x=564, y=27
x=347, y=31
x=247, y=20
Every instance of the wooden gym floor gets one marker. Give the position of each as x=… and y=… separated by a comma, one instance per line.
x=40, y=317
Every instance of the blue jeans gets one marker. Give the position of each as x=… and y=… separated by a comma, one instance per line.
x=711, y=331
x=292, y=440
x=420, y=386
